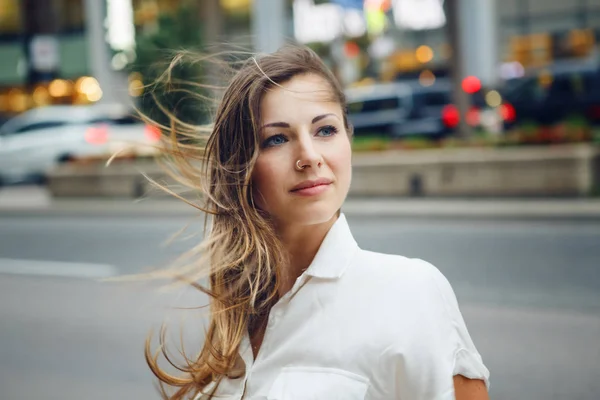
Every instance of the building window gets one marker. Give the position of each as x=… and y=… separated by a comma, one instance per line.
x=72, y=16
x=147, y=11
x=10, y=17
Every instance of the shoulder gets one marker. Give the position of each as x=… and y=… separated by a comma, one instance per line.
x=396, y=269
x=408, y=299
x=413, y=283
x=404, y=282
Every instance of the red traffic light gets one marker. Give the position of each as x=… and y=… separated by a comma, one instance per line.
x=471, y=84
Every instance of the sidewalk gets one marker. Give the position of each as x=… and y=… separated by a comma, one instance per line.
x=23, y=201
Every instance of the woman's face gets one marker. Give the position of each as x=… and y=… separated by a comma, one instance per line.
x=303, y=171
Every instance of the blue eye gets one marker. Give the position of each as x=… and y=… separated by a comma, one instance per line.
x=327, y=131
x=274, y=140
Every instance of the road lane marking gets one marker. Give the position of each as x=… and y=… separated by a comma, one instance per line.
x=56, y=269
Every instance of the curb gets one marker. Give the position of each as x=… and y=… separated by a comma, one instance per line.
x=484, y=209
x=407, y=208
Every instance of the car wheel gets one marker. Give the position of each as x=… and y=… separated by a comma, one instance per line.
x=65, y=158
x=39, y=179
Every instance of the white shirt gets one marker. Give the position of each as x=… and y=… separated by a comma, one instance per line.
x=359, y=325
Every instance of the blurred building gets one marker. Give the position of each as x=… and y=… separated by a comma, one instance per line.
x=531, y=33
x=39, y=42
x=75, y=51
x=538, y=32
x=408, y=39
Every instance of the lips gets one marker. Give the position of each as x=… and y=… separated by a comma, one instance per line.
x=311, y=184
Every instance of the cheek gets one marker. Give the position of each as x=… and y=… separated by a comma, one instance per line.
x=340, y=160
x=266, y=177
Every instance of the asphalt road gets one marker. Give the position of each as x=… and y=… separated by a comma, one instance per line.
x=529, y=291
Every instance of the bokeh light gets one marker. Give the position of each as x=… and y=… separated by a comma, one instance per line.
x=41, y=97
x=18, y=100
x=3, y=102
x=136, y=88
x=424, y=54
x=89, y=87
x=493, y=98
x=426, y=78
x=471, y=84
x=60, y=88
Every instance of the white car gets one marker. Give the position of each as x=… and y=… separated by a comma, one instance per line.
x=39, y=139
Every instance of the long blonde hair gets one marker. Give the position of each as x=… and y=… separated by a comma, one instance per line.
x=241, y=254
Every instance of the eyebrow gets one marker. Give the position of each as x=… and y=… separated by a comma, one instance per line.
x=286, y=125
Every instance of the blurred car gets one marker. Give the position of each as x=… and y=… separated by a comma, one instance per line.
x=39, y=139
x=403, y=109
x=378, y=108
x=557, y=92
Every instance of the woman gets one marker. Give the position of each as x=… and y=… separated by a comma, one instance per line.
x=298, y=310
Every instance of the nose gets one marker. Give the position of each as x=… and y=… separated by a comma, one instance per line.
x=308, y=155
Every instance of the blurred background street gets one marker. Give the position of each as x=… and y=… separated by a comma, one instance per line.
x=477, y=148
x=528, y=289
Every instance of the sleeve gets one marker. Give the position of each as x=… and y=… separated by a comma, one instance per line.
x=466, y=359
x=436, y=346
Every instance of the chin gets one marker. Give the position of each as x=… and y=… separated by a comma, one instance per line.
x=312, y=213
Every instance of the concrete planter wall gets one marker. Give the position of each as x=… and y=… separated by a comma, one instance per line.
x=541, y=171
x=531, y=171
x=96, y=180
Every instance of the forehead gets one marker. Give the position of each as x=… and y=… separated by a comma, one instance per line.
x=303, y=93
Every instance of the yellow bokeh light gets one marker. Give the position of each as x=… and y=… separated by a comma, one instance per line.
x=80, y=98
x=136, y=88
x=135, y=75
x=87, y=85
x=88, y=88
x=426, y=78
x=424, y=54
x=60, y=88
x=40, y=96
x=3, y=102
x=235, y=5
x=18, y=101
x=94, y=96
x=493, y=98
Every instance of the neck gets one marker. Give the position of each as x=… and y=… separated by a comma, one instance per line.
x=301, y=243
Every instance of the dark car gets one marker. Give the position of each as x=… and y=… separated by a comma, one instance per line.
x=410, y=109
x=556, y=93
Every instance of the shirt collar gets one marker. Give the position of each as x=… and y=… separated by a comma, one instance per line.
x=335, y=253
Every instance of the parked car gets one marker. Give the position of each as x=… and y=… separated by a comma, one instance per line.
x=555, y=93
x=378, y=108
x=403, y=109
x=39, y=139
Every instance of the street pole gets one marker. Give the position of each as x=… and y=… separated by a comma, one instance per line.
x=268, y=25
x=99, y=54
x=457, y=64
